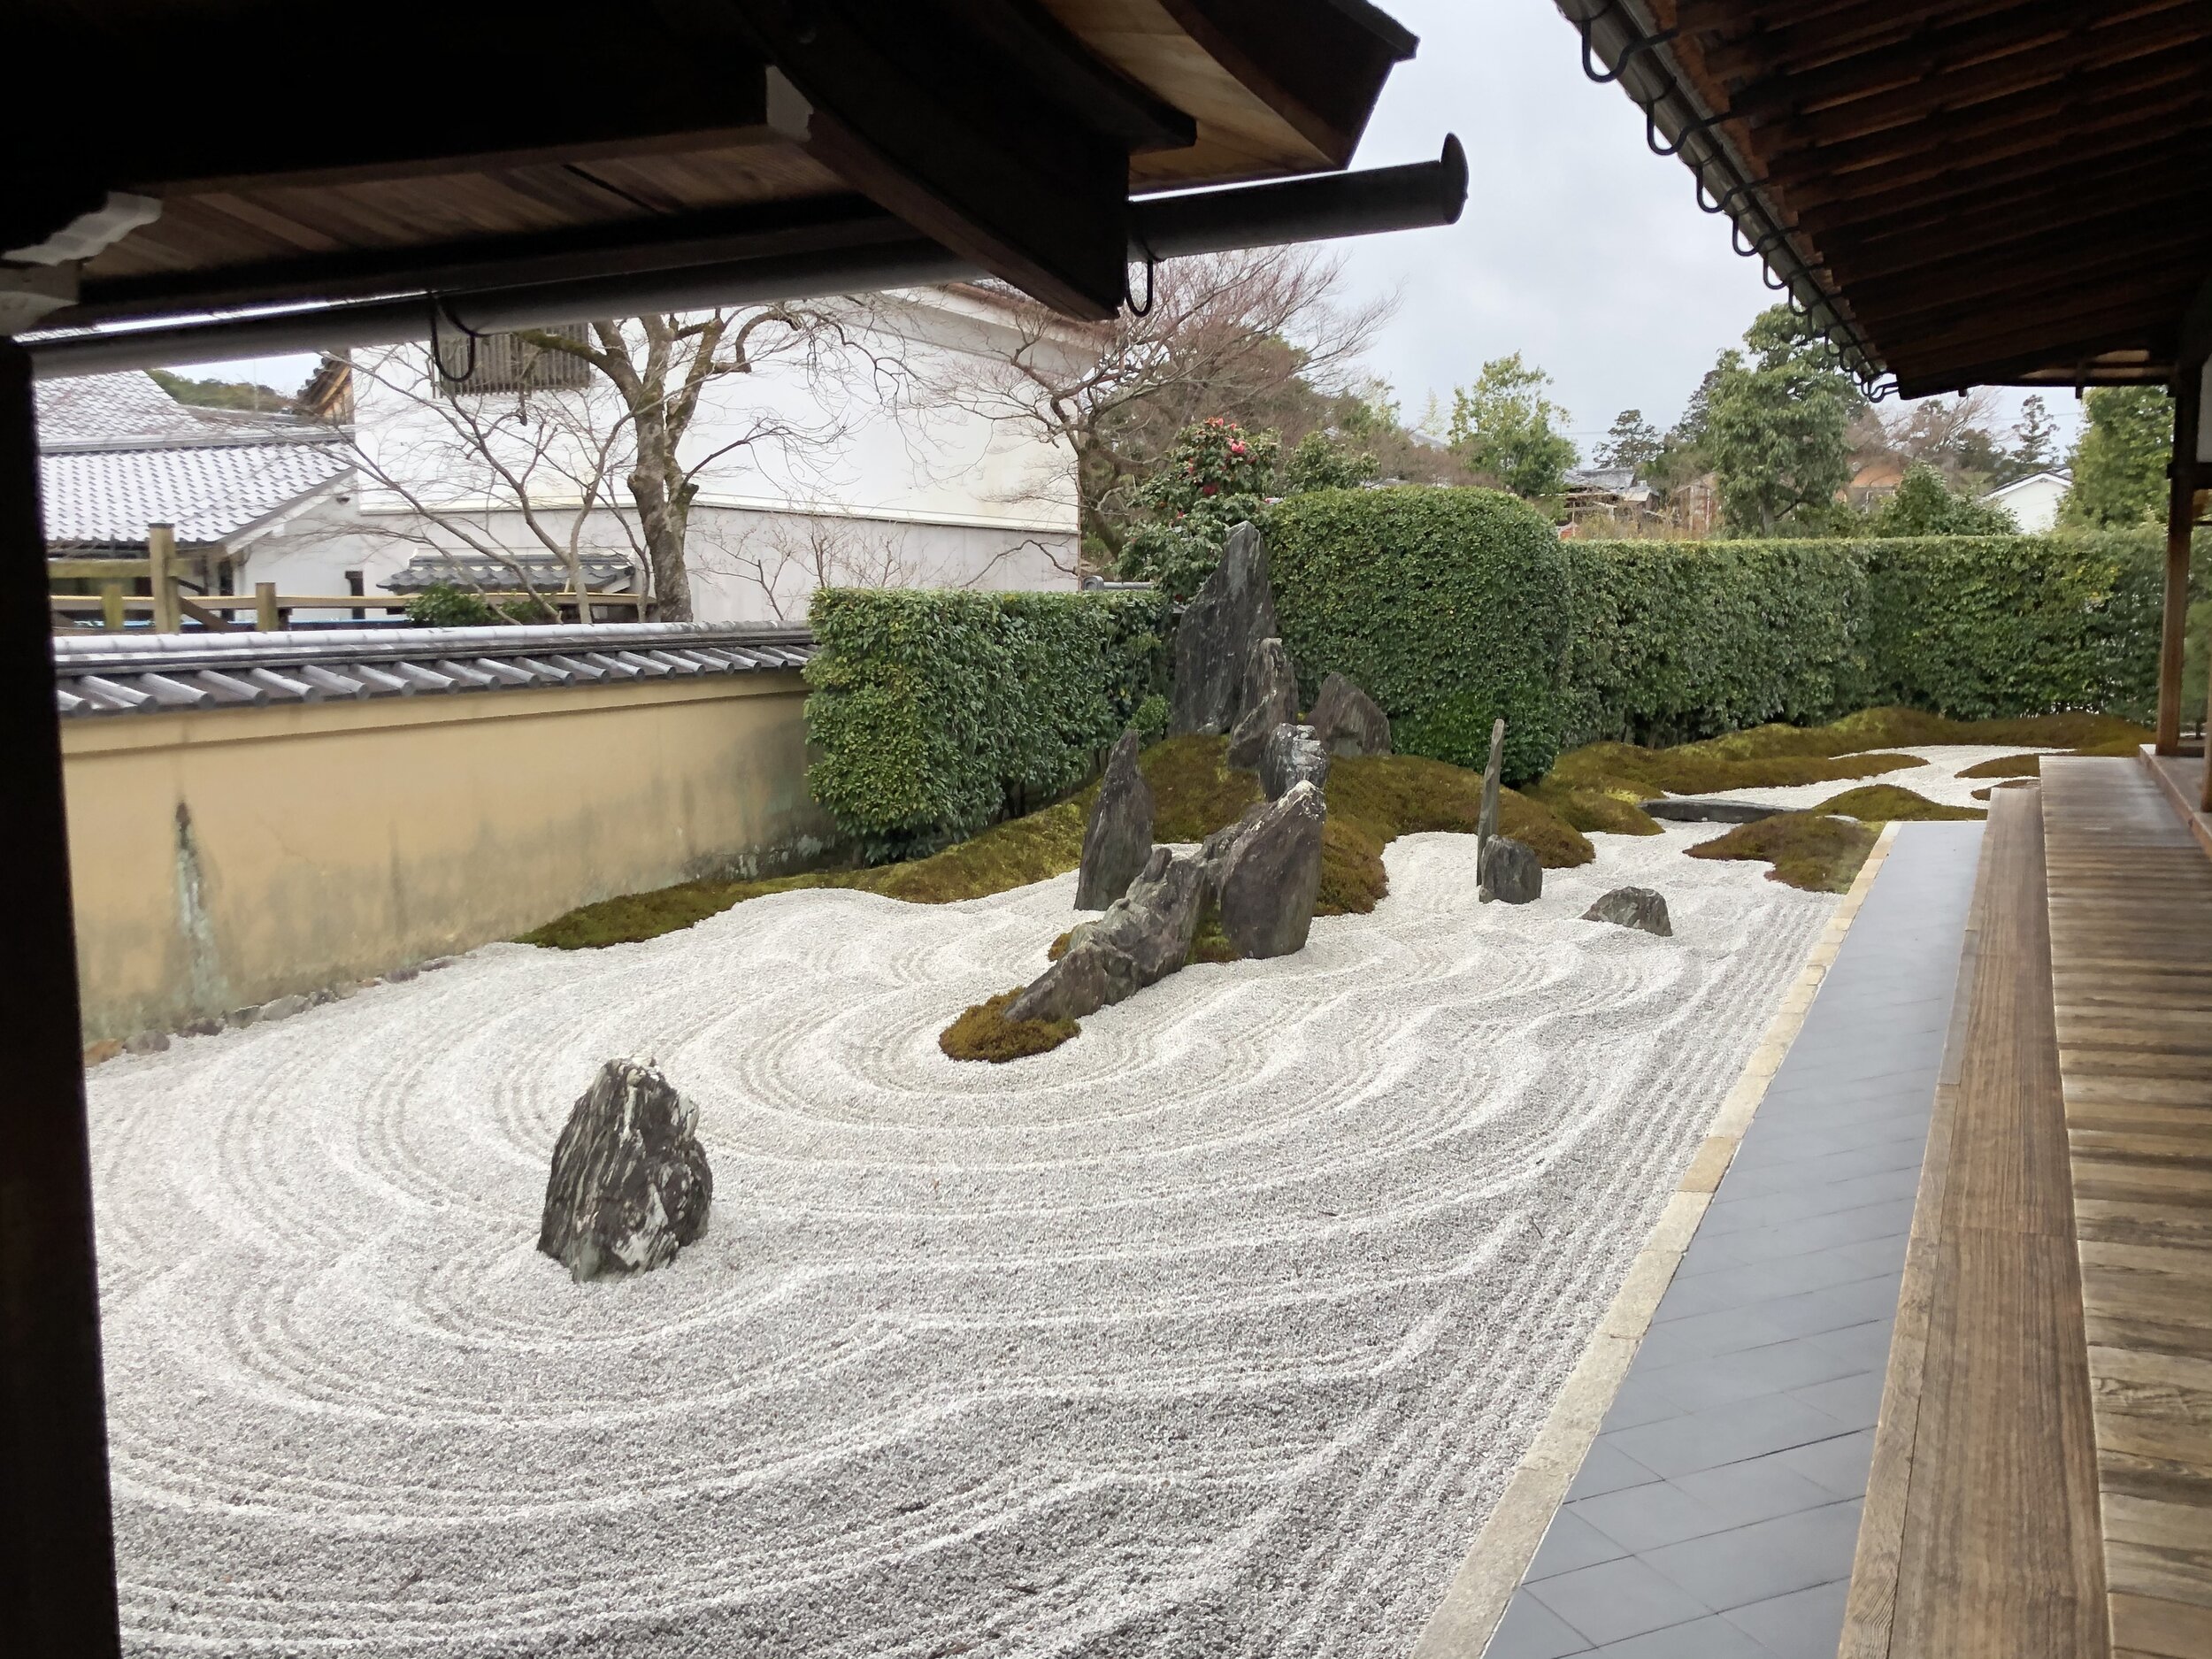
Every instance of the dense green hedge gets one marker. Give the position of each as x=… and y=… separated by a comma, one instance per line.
x=934, y=713
x=1448, y=606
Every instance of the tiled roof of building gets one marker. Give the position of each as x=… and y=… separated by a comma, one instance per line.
x=602, y=573
x=109, y=408
x=209, y=490
x=156, y=673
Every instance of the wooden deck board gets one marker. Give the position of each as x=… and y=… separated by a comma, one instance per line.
x=1980, y=1537
x=2131, y=918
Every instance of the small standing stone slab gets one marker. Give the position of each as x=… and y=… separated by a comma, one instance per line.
x=1293, y=756
x=1633, y=907
x=1689, y=808
x=1234, y=612
x=1347, y=721
x=1144, y=936
x=1117, y=840
x=630, y=1183
x=1486, y=824
x=1510, y=870
x=1272, y=874
x=1272, y=700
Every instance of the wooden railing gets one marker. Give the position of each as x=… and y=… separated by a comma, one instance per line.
x=171, y=607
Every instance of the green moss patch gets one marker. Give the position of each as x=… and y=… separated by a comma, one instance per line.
x=1593, y=812
x=1628, y=773
x=1900, y=728
x=1208, y=943
x=1881, y=802
x=1808, y=851
x=984, y=1033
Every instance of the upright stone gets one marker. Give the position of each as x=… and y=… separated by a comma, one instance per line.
x=1234, y=612
x=1117, y=840
x=630, y=1183
x=1510, y=870
x=1347, y=721
x=1486, y=822
x=1145, y=935
x=1270, y=700
x=1293, y=756
x=1272, y=874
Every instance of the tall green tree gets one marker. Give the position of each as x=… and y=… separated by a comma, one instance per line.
x=2119, y=461
x=1925, y=505
x=1776, y=421
x=1632, y=443
x=2034, y=443
x=1505, y=428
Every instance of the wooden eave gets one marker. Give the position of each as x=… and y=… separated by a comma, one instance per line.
x=1980, y=191
x=459, y=139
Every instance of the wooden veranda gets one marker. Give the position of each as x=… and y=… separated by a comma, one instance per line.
x=2005, y=192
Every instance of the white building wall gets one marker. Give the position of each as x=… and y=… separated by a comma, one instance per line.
x=2032, y=502
x=856, y=476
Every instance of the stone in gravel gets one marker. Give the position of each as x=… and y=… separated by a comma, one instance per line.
x=1293, y=755
x=436, y=963
x=1510, y=870
x=1633, y=907
x=1233, y=612
x=630, y=1183
x=1486, y=822
x=399, y=976
x=1348, y=721
x=206, y=1025
x=1271, y=873
x=243, y=1016
x=148, y=1043
x=283, y=1007
x=1117, y=841
x=1689, y=808
x=1144, y=936
x=1270, y=700
x=99, y=1053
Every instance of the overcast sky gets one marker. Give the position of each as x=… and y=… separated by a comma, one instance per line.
x=1579, y=249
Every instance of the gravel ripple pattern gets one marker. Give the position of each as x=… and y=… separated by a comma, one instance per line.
x=1216, y=1331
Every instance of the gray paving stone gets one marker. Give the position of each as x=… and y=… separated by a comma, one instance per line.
x=1703, y=1335
x=1713, y=1638
x=1865, y=1346
x=1854, y=1400
x=1701, y=1385
x=1727, y=1434
x=1711, y=1251
x=1819, y=1168
x=1607, y=1469
x=1572, y=1543
x=1839, y=1464
x=1806, y=1624
x=1757, y=1489
x=1834, y=1308
x=1763, y=1560
x=1618, y=1599
x=1531, y=1631
x=1778, y=1209
x=1750, y=1283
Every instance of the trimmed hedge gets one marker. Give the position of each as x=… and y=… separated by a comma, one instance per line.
x=1449, y=607
x=934, y=712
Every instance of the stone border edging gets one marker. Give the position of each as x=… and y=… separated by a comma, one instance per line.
x=1476, y=1598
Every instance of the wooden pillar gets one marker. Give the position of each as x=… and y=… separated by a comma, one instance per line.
x=56, y=1542
x=113, y=615
x=2174, y=619
x=265, y=608
x=161, y=561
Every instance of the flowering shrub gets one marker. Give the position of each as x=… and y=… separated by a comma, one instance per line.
x=1216, y=477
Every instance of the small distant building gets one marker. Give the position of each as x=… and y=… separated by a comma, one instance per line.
x=1875, y=482
x=2033, y=502
x=1614, y=488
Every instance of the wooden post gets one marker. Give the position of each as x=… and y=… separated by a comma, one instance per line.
x=112, y=606
x=2180, y=499
x=56, y=1542
x=265, y=608
x=161, y=558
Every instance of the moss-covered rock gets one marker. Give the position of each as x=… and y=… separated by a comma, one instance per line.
x=1817, y=853
x=1882, y=802
x=984, y=1033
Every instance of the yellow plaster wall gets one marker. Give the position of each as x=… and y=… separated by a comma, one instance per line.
x=224, y=857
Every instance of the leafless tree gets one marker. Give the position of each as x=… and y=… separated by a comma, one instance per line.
x=560, y=459
x=787, y=556
x=1262, y=337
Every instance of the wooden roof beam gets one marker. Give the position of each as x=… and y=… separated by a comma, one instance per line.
x=2070, y=362
x=1942, y=300
x=2008, y=236
x=1322, y=80
x=1995, y=211
x=1801, y=38
x=2087, y=316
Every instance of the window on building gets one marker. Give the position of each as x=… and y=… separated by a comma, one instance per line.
x=474, y=364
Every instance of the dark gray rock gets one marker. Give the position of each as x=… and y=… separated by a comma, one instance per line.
x=1270, y=700
x=1633, y=907
x=1487, y=820
x=1347, y=721
x=1233, y=612
x=1213, y=852
x=1271, y=873
x=630, y=1183
x=205, y=1025
x=281, y=1008
x=1690, y=809
x=1510, y=872
x=147, y=1043
x=1144, y=936
x=1293, y=755
x=1117, y=841
x=244, y=1016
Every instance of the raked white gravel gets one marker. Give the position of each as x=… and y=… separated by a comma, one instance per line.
x=1216, y=1331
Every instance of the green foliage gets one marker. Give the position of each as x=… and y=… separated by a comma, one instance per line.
x=2035, y=446
x=2119, y=462
x=1216, y=476
x=936, y=711
x=2196, y=650
x=1322, y=462
x=1774, y=428
x=1449, y=607
x=221, y=394
x=443, y=605
x=1924, y=505
x=1150, y=720
x=1504, y=428
x=1632, y=441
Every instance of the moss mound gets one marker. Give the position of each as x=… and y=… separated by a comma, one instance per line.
x=1808, y=851
x=1894, y=727
x=1629, y=773
x=2006, y=766
x=984, y=1033
x=1592, y=811
x=1880, y=802
x=1209, y=943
